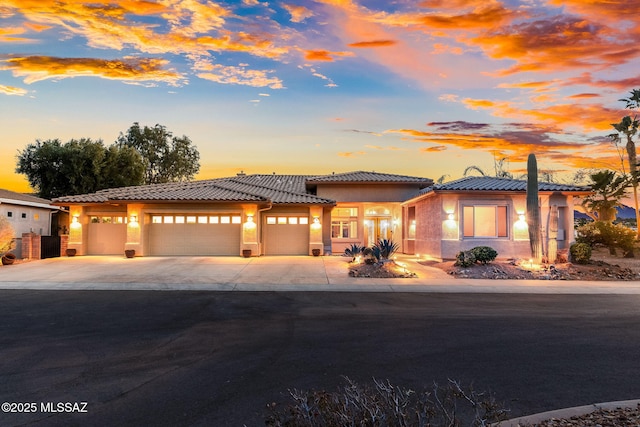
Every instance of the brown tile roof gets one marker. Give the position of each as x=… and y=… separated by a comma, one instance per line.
x=488, y=183
x=277, y=189
x=368, y=177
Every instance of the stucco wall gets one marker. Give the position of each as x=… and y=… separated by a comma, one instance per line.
x=36, y=220
x=439, y=224
x=368, y=192
x=429, y=216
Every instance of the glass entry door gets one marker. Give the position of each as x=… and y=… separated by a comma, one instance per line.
x=376, y=228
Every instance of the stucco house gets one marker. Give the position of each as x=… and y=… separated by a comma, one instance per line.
x=28, y=214
x=295, y=214
x=484, y=211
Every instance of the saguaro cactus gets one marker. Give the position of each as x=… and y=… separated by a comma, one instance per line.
x=533, y=209
x=552, y=244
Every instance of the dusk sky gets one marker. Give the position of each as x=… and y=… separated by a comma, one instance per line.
x=421, y=88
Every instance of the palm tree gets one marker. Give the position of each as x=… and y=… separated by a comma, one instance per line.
x=629, y=127
x=500, y=167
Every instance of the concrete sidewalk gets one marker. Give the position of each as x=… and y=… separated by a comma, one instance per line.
x=284, y=273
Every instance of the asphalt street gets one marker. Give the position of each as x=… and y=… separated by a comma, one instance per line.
x=168, y=358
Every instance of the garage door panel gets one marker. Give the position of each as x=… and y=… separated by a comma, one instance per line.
x=213, y=238
x=287, y=234
x=106, y=239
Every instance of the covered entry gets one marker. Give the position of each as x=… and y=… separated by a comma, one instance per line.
x=204, y=234
x=286, y=234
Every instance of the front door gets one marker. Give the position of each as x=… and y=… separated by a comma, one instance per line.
x=376, y=228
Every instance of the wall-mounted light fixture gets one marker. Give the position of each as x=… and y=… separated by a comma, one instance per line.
x=74, y=219
x=451, y=217
x=133, y=219
x=521, y=217
x=249, y=217
x=315, y=223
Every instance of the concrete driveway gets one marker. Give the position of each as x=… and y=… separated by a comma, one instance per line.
x=281, y=273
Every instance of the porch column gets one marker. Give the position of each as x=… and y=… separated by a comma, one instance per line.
x=135, y=223
x=315, y=229
x=250, y=230
x=78, y=222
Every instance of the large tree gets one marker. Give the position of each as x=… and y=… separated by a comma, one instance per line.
x=79, y=166
x=166, y=158
x=628, y=127
x=608, y=189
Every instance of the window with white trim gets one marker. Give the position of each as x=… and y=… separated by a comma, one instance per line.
x=344, y=223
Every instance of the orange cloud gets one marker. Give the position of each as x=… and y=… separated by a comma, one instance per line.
x=514, y=141
x=10, y=90
x=351, y=153
x=324, y=55
x=298, y=13
x=373, y=43
x=38, y=68
x=434, y=149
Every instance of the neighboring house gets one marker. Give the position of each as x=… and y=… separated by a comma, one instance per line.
x=484, y=211
x=28, y=214
x=294, y=214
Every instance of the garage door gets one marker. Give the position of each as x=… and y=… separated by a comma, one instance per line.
x=106, y=235
x=180, y=234
x=287, y=234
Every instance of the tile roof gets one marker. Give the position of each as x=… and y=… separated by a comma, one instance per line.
x=488, y=183
x=364, y=176
x=278, y=189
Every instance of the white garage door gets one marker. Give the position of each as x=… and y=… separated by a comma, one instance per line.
x=287, y=234
x=106, y=235
x=181, y=234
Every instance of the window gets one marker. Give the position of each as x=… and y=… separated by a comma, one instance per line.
x=156, y=219
x=344, y=223
x=179, y=219
x=191, y=219
x=23, y=215
x=213, y=220
x=9, y=214
x=303, y=220
x=484, y=221
x=202, y=220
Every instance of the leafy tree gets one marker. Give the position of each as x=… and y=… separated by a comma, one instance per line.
x=628, y=127
x=79, y=166
x=166, y=158
x=608, y=188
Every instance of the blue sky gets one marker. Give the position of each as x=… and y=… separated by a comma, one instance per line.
x=422, y=88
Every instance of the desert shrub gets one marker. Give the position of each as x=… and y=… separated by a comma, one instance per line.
x=368, y=256
x=580, y=253
x=387, y=248
x=484, y=254
x=465, y=259
x=354, y=250
x=7, y=235
x=609, y=235
x=376, y=252
x=383, y=404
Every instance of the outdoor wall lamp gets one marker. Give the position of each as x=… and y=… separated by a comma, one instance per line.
x=450, y=217
x=250, y=218
x=133, y=219
x=74, y=219
x=316, y=220
x=521, y=217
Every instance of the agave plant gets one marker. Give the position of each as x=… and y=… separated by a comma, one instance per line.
x=387, y=247
x=354, y=250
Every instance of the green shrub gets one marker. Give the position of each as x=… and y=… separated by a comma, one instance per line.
x=387, y=248
x=609, y=235
x=465, y=259
x=384, y=404
x=580, y=253
x=7, y=235
x=484, y=254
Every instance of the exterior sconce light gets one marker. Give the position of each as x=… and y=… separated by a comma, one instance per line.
x=133, y=219
x=450, y=217
x=250, y=218
x=316, y=223
x=521, y=217
x=74, y=219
